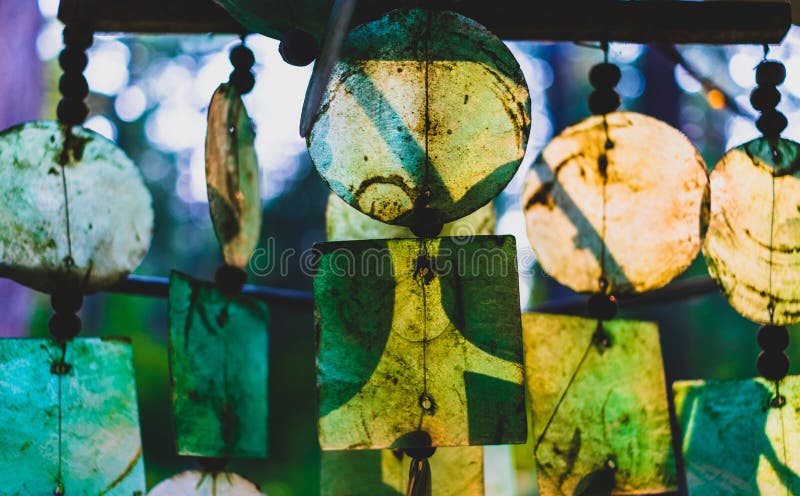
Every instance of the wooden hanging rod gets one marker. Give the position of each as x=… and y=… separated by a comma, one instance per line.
x=718, y=22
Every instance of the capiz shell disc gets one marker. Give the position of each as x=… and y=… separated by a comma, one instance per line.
x=419, y=343
x=197, y=483
x=110, y=210
x=232, y=178
x=218, y=355
x=600, y=413
x=638, y=223
x=427, y=114
x=734, y=442
x=751, y=249
x=101, y=448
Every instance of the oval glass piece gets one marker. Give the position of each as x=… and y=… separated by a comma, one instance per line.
x=232, y=176
x=106, y=229
x=426, y=117
x=197, y=483
x=344, y=222
x=651, y=224
x=738, y=249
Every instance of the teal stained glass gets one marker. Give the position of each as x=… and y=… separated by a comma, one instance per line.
x=218, y=359
x=101, y=450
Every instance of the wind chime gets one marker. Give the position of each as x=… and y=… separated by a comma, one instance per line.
x=615, y=205
x=76, y=219
x=218, y=345
x=740, y=436
x=419, y=343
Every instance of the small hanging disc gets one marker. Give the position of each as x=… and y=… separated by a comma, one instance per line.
x=426, y=111
x=232, y=177
x=87, y=243
x=652, y=221
x=344, y=222
x=197, y=483
x=738, y=249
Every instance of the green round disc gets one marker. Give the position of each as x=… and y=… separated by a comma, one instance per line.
x=197, y=483
x=638, y=225
x=108, y=206
x=426, y=118
x=232, y=177
x=746, y=242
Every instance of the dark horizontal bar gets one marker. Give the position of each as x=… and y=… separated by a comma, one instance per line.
x=158, y=287
x=648, y=21
x=680, y=290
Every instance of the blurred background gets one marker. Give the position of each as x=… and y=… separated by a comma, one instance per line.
x=150, y=93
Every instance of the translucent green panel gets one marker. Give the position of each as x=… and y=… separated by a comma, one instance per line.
x=426, y=110
x=744, y=238
x=218, y=359
x=601, y=421
x=344, y=222
x=196, y=483
x=454, y=472
x=232, y=176
x=639, y=223
x=733, y=443
x=101, y=450
x=110, y=211
x=419, y=343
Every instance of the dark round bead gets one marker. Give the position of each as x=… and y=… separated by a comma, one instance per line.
x=78, y=37
x=603, y=101
x=770, y=73
x=66, y=301
x=230, y=279
x=73, y=59
x=242, y=57
x=765, y=98
x=72, y=112
x=426, y=224
x=243, y=81
x=64, y=325
x=773, y=338
x=420, y=453
x=604, y=76
x=773, y=365
x=73, y=85
x=298, y=48
x=772, y=123
x=602, y=307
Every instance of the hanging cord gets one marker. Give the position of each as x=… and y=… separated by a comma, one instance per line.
x=66, y=300
x=773, y=363
x=419, y=474
x=602, y=101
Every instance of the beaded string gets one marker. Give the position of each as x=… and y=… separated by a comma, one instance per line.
x=773, y=363
x=72, y=110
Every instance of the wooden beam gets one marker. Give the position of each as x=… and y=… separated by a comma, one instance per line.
x=673, y=22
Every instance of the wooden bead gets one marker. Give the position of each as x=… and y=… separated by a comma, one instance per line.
x=244, y=81
x=64, y=326
x=72, y=59
x=603, y=101
x=73, y=85
x=773, y=338
x=602, y=307
x=298, y=48
x=604, y=76
x=66, y=301
x=72, y=112
x=242, y=57
x=772, y=123
x=230, y=279
x=765, y=98
x=426, y=224
x=78, y=37
x=773, y=365
x=770, y=73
